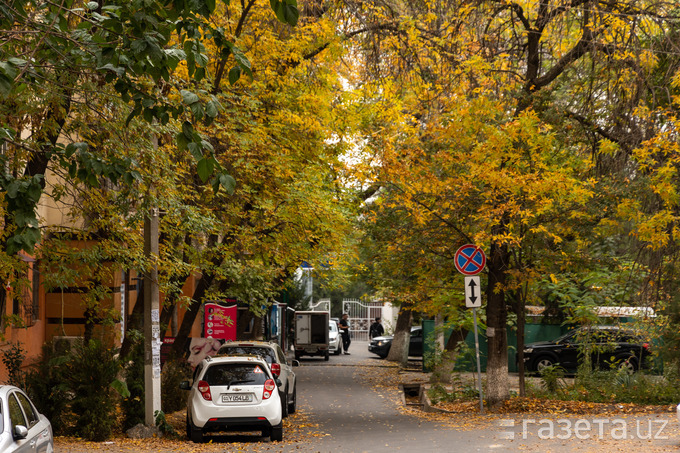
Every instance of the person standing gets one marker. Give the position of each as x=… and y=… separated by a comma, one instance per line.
x=344, y=331
x=376, y=329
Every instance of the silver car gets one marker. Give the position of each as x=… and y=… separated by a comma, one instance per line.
x=22, y=427
x=278, y=363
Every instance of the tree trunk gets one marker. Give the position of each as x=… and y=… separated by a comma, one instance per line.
x=496, y=319
x=402, y=336
x=190, y=315
x=441, y=374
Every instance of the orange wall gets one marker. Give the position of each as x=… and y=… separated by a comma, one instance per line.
x=62, y=314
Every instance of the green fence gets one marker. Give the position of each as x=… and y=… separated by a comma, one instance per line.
x=468, y=362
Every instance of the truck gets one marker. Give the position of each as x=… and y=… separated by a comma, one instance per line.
x=311, y=334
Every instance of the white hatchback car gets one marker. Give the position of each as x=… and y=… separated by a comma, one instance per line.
x=233, y=394
x=22, y=427
x=334, y=338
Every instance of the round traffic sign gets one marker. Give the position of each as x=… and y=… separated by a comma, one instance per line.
x=470, y=259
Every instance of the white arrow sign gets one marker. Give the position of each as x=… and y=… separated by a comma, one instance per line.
x=473, y=293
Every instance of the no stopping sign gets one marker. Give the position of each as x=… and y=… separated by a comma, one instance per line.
x=470, y=259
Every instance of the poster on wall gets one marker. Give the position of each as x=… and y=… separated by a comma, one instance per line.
x=274, y=323
x=220, y=320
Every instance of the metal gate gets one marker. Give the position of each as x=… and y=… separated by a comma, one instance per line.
x=360, y=316
x=321, y=305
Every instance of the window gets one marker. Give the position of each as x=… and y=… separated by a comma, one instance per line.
x=35, y=312
x=235, y=373
x=265, y=353
x=29, y=411
x=282, y=356
x=16, y=415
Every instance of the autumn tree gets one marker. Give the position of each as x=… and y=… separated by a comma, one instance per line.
x=56, y=58
x=511, y=107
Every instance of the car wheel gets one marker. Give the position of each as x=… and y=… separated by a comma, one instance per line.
x=297, y=356
x=338, y=350
x=284, y=404
x=277, y=433
x=327, y=356
x=194, y=433
x=629, y=365
x=292, y=406
x=543, y=362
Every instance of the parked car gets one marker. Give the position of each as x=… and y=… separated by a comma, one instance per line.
x=278, y=363
x=334, y=338
x=233, y=394
x=611, y=346
x=22, y=427
x=381, y=345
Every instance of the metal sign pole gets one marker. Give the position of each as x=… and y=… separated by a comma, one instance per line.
x=470, y=261
x=479, y=367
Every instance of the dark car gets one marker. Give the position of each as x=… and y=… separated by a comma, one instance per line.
x=609, y=346
x=381, y=345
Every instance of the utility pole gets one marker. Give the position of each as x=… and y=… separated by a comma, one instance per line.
x=152, y=330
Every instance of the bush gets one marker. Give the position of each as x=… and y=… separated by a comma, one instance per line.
x=552, y=378
x=174, y=372
x=92, y=372
x=47, y=386
x=13, y=359
x=615, y=386
x=133, y=406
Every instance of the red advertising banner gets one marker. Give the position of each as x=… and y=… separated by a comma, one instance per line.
x=220, y=321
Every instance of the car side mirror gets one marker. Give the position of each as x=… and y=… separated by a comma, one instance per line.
x=185, y=385
x=295, y=362
x=278, y=382
x=20, y=432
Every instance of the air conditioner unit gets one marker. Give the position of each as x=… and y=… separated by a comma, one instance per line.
x=64, y=344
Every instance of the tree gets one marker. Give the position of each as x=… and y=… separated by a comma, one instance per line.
x=55, y=59
x=505, y=105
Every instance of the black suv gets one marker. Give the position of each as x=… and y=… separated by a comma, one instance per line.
x=609, y=345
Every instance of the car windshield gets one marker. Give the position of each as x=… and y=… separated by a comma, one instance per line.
x=332, y=327
x=266, y=353
x=235, y=373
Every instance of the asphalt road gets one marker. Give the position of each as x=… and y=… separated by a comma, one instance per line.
x=356, y=418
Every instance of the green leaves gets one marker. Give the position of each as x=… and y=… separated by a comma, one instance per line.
x=22, y=196
x=8, y=71
x=207, y=166
x=286, y=11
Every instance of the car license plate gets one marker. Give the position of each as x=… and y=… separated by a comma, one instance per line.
x=237, y=398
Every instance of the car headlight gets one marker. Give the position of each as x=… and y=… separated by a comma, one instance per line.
x=528, y=350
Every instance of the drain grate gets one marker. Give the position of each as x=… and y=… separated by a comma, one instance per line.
x=410, y=394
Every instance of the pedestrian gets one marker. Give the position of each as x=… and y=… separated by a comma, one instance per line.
x=344, y=331
x=376, y=329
